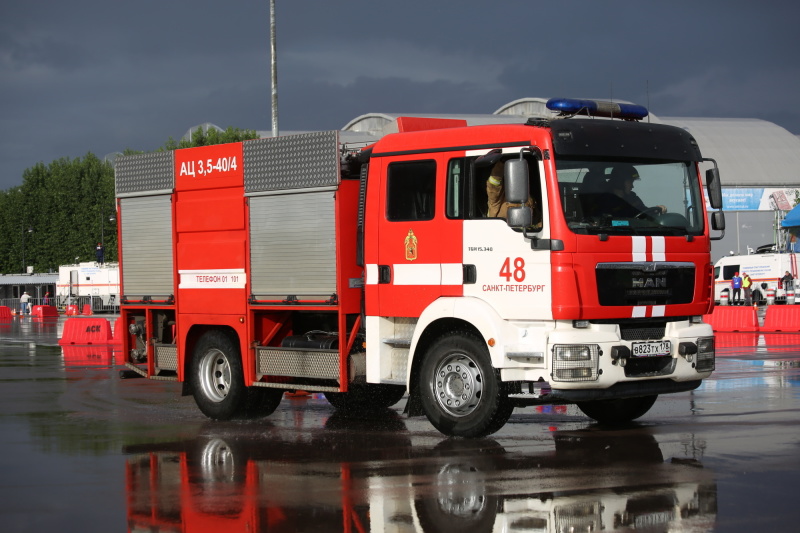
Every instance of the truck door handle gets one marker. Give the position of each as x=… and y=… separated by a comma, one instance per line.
x=384, y=274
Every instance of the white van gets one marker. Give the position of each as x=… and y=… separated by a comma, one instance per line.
x=764, y=269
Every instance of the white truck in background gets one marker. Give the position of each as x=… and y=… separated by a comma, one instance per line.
x=764, y=269
x=88, y=283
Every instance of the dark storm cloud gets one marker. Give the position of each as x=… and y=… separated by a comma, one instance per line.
x=98, y=76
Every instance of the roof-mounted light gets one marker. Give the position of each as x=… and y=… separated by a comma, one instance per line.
x=597, y=108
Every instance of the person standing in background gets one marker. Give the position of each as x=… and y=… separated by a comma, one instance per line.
x=747, y=285
x=23, y=303
x=736, y=285
x=788, y=281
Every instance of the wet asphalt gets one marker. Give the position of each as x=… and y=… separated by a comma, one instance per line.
x=83, y=450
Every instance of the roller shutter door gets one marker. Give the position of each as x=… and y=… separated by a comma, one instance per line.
x=147, y=247
x=293, y=245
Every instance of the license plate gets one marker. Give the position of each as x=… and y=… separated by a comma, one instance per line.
x=651, y=348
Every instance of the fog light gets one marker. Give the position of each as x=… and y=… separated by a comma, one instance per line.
x=620, y=355
x=580, y=324
x=687, y=350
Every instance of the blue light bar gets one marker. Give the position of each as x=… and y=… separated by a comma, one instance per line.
x=597, y=108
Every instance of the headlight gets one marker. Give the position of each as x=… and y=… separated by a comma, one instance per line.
x=572, y=353
x=575, y=362
x=705, y=354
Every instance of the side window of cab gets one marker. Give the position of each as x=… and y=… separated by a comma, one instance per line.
x=411, y=191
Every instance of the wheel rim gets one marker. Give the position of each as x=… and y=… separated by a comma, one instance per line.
x=215, y=375
x=458, y=385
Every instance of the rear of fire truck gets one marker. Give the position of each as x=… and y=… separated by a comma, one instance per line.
x=598, y=302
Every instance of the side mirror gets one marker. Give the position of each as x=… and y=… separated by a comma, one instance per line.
x=718, y=221
x=714, y=188
x=516, y=178
x=519, y=217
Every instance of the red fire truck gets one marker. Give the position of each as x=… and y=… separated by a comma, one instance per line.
x=367, y=272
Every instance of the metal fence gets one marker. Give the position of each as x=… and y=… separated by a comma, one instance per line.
x=95, y=303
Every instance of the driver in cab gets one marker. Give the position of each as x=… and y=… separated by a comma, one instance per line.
x=621, y=181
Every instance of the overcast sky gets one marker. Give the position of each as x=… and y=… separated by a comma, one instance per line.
x=100, y=76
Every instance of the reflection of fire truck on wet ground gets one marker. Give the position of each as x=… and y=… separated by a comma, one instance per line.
x=215, y=483
x=365, y=272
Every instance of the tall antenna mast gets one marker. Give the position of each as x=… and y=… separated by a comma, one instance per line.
x=273, y=67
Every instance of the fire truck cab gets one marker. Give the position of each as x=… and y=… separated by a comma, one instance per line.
x=369, y=272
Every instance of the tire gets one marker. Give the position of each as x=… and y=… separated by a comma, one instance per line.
x=617, y=412
x=365, y=398
x=217, y=379
x=461, y=393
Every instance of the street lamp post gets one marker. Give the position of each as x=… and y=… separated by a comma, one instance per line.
x=30, y=230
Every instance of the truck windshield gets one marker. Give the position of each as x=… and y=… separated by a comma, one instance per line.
x=630, y=197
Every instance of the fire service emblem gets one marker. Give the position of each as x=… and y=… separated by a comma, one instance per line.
x=411, y=246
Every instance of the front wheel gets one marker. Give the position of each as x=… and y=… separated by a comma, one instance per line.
x=461, y=392
x=619, y=411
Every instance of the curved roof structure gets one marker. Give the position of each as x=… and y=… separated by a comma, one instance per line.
x=749, y=152
x=380, y=124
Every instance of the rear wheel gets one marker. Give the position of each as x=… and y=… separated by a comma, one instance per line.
x=218, y=381
x=461, y=392
x=619, y=411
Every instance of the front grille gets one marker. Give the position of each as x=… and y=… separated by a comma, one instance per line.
x=643, y=283
x=635, y=332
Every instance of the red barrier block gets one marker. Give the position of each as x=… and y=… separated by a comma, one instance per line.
x=42, y=311
x=733, y=318
x=119, y=330
x=87, y=310
x=86, y=331
x=5, y=312
x=782, y=318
